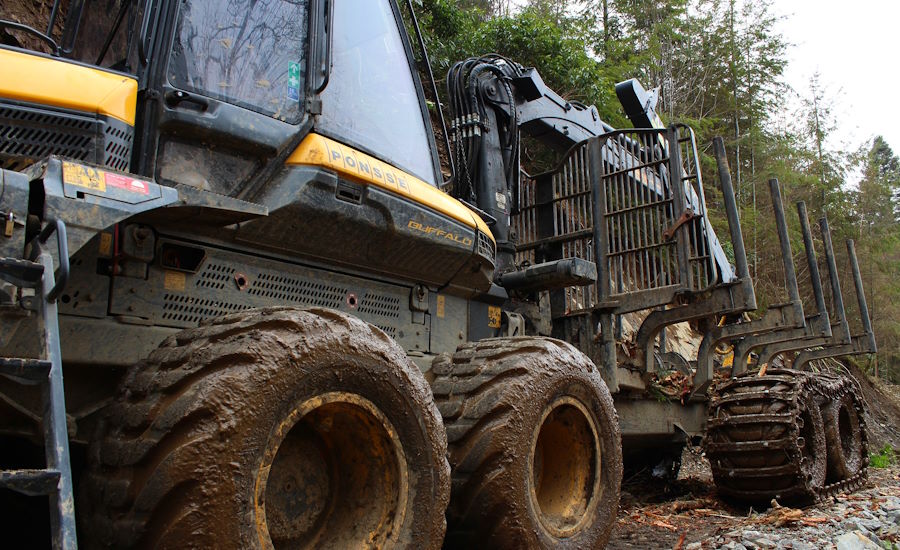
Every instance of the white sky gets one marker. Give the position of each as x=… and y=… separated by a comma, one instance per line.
x=855, y=48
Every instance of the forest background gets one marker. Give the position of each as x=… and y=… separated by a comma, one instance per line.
x=719, y=66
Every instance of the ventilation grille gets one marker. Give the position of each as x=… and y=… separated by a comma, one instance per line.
x=27, y=135
x=117, y=150
x=213, y=292
x=291, y=289
x=485, y=247
x=376, y=304
x=390, y=331
x=187, y=309
x=215, y=276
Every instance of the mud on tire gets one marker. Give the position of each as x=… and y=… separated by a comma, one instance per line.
x=766, y=439
x=845, y=435
x=272, y=428
x=534, y=445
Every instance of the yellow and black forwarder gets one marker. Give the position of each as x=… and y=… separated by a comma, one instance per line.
x=226, y=226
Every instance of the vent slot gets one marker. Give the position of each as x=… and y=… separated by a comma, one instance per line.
x=187, y=309
x=377, y=304
x=390, y=331
x=117, y=150
x=28, y=135
x=301, y=291
x=214, y=276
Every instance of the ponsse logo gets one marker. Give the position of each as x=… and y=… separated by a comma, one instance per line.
x=440, y=233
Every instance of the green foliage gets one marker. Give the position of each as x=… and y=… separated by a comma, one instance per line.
x=884, y=458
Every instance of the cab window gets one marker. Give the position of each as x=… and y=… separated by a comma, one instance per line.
x=371, y=100
x=246, y=52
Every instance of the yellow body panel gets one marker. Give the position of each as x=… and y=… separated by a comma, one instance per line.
x=318, y=150
x=57, y=83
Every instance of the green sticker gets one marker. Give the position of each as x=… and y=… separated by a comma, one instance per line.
x=293, y=83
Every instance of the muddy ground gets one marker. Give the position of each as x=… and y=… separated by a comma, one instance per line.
x=686, y=514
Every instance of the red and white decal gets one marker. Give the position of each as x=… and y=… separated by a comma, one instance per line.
x=128, y=184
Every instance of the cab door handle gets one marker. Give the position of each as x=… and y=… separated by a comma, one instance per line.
x=174, y=98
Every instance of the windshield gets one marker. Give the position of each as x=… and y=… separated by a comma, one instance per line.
x=246, y=52
x=371, y=99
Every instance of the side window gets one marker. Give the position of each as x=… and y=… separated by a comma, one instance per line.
x=107, y=34
x=246, y=52
x=371, y=98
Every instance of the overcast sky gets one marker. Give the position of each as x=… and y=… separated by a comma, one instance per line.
x=855, y=47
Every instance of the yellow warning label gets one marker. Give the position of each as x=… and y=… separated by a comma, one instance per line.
x=440, y=306
x=84, y=176
x=493, y=317
x=105, y=244
x=174, y=280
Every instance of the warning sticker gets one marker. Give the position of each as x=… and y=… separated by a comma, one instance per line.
x=84, y=176
x=493, y=317
x=174, y=280
x=98, y=180
x=440, y=306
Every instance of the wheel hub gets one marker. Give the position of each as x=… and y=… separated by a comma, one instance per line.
x=565, y=480
x=337, y=477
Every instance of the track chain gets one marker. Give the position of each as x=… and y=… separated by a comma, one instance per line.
x=755, y=435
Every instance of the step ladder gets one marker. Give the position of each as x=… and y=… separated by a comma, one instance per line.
x=55, y=480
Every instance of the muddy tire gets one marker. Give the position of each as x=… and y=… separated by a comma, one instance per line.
x=844, y=434
x=534, y=445
x=766, y=438
x=270, y=429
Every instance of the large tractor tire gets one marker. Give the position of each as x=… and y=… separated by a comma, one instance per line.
x=765, y=438
x=534, y=445
x=276, y=428
x=789, y=435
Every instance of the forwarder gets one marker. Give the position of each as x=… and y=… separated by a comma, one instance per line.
x=224, y=223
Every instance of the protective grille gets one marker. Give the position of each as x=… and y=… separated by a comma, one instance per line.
x=639, y=211
x=486, y=247
x=653, y=240
x=117, y=145
x=29, y=134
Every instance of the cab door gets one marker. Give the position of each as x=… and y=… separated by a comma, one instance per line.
x=226, y=91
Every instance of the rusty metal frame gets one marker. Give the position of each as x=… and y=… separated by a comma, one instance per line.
x=778, y=317
x=816, y=325
x=725, y=298
x=840, y=330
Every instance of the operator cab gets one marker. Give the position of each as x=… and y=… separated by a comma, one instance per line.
x=226, y=90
